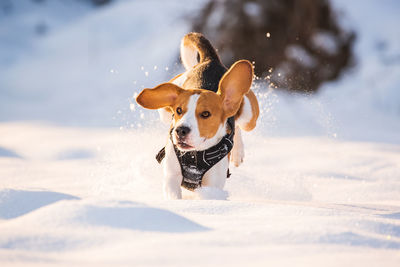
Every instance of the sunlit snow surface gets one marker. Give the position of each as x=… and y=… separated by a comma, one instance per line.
x=294, y=200
x=320, y=185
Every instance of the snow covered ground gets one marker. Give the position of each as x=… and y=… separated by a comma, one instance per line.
x=74, y=196
x=79, y=185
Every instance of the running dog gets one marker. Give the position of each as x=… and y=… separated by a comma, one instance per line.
x=207, y=106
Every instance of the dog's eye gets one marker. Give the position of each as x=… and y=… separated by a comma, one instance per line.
x=205, y=114
x=179, y=111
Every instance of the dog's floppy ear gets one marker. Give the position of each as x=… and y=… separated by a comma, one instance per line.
x=235, y=83
x=161, y=96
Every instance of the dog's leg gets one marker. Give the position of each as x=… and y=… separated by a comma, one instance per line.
x=237, y=153
x=216, y=176
x=172, y=174
x=244, y=120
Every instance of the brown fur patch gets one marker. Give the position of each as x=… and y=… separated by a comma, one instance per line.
x=182, y=102
x=211, y=102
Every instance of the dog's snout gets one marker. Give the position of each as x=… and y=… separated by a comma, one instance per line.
x=182, y=131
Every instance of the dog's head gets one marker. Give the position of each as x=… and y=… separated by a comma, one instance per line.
x=200, y=115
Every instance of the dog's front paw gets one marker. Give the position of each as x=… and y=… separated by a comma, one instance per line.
x=237, y=153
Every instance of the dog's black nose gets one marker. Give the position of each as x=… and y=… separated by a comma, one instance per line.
x=182, y=131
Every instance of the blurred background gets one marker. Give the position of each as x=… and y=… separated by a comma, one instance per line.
x=323, y=67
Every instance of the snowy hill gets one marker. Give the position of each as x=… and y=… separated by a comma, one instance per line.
x=320, y=185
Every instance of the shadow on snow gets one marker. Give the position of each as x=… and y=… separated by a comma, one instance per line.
x=15, y=203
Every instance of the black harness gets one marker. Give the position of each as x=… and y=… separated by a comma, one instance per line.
x=194, y=164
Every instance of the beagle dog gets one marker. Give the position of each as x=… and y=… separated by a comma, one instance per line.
x=207, y=106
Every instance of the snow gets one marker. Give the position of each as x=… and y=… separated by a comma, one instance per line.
x=308, y=200
x=320, y=185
